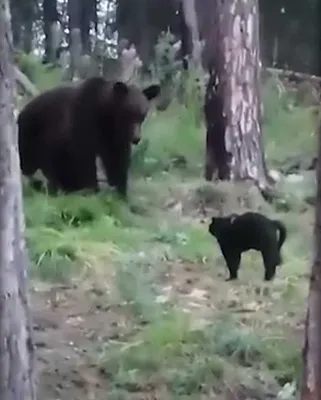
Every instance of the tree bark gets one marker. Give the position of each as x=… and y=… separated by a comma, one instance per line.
x=232, y=46
x=311, y=378
x=217, y=158
x=16, y=339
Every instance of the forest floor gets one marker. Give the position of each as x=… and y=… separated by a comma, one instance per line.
x=132, y=303
x=130, y=300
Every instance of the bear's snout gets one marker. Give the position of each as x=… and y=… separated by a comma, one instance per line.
x=136, y=133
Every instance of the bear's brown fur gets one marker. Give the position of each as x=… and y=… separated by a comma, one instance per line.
x=62, y=130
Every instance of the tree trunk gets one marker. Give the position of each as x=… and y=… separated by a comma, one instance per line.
x=75, y=44
x=232, y=46
x=217, y=158
x=311, y=380
x=23, y=14
x=28, y=36
x=191, y=46
x=16, y=26
x=50, y=19
x=16, y=341
x=88, y=15
x=75, y=53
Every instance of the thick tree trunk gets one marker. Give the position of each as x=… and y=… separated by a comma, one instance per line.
x=311, y=379
x=234, y=62
x=16, y=343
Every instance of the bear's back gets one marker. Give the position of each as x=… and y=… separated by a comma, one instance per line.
x=49, y=105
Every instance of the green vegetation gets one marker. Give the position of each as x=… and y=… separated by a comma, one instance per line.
x=188, y=333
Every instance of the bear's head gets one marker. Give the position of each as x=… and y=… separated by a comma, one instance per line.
x=130, y=108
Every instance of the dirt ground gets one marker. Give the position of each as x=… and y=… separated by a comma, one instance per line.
x=71, y=321
x=66, y=326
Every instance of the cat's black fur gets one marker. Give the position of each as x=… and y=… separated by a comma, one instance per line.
x=236, y=234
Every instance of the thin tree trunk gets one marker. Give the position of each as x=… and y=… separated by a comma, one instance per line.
x=88, y=16
x=16, y=24
x=191, y=46
x=234, y=62
x=16, y=341
x=75, y=44
x=75, y=53
x=28, y=36
x=311, y=379
x=50, y=19
x=217, y=158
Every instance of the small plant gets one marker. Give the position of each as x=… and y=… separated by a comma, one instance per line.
x=283, y=358
x=134, y=286
x=243, y=346
x=196, y=376
x=55, y=267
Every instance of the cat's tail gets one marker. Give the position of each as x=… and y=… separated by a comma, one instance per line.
x=283, y=232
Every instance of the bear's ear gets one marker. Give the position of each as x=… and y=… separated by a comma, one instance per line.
x=151, y=91
x=120, y=89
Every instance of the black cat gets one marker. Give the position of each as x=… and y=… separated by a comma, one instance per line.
x=238, y=233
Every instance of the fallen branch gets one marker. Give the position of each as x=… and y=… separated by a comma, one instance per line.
x=292, y=75
x=27, y=85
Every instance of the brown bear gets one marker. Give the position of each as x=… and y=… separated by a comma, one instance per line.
x=61, y=131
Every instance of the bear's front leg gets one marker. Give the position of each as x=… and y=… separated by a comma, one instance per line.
x=116, y=162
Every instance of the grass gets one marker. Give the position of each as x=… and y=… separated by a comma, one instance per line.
x=192, y=361
x=194, y=334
